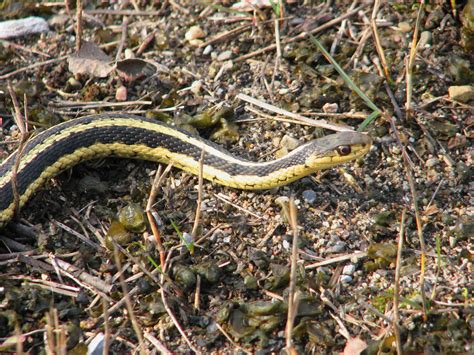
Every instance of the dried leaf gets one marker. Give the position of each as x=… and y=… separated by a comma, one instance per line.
x=354, y=346
x=133, y=69
x=90, y=59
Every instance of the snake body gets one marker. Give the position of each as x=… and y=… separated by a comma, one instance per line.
x=121, y=135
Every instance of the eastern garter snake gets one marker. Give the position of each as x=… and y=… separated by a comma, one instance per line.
x=128, y=136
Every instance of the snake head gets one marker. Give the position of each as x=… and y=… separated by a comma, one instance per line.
x=337, y=149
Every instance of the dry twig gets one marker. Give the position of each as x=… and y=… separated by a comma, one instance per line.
x=396, y=288
x=414, y=197
x=128, y=303
x=293, y=295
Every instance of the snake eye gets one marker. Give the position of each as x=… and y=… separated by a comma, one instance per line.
x=344, y=150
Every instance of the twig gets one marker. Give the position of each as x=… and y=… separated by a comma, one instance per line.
x=146, y=42
x=378, y=44
x=105, y=308
x=226, y=200
x=49, y=285
x=176, y=323
x=78, y=25
x=122, y=12
x=74, y=272
x=414, y=198
x=199, y=201
x=277, y=38
x=293, y=296
x=79, y=235
x=272, y=108
x=98, y=104
x=32, y=66
x=123, y=38
x=197, y=294
x=225, y=35
x=128, y=303
x=301, y=36
x=337, y=259
x=231, y=340
x=151, y=200
x=156, y=343
x=23, y=48
x=396, y=288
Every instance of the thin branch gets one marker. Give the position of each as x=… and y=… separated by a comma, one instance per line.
x=414, y=197
x=272, y=108
x=176, y=323
x=78, y=25
x=128, y=303
x=197, y=218
x=378, y=44
x=396, y=288
x=149, y=207
x=293, y=296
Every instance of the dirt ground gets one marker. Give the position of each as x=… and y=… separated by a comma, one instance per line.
x=384, y=245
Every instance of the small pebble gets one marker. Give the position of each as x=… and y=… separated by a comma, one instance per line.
x=309, y=196
x=349, y=269
x=207, y=50
x=339, y=247
x=426, y=38
x=194, y=32
x=463, y=93
x=121, y=94
x=196, y=87
x=289, y=142
x=404, y=27
x=330, y=107
x=346, y=279
x=128, y=54
x=226, y=55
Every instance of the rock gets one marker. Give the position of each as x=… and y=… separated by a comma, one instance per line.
x=462, y=93
x=309, y=196
x=426, y=38
x=207, y=50
x=346, y=279
x=121, y=93
x=330, y=107
x=96, y=346
x=405, y=27
x=226, y=55
x=289, y=142
x=23, y=27
x=349, y=269
x=339, y=247
x=193, y=33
